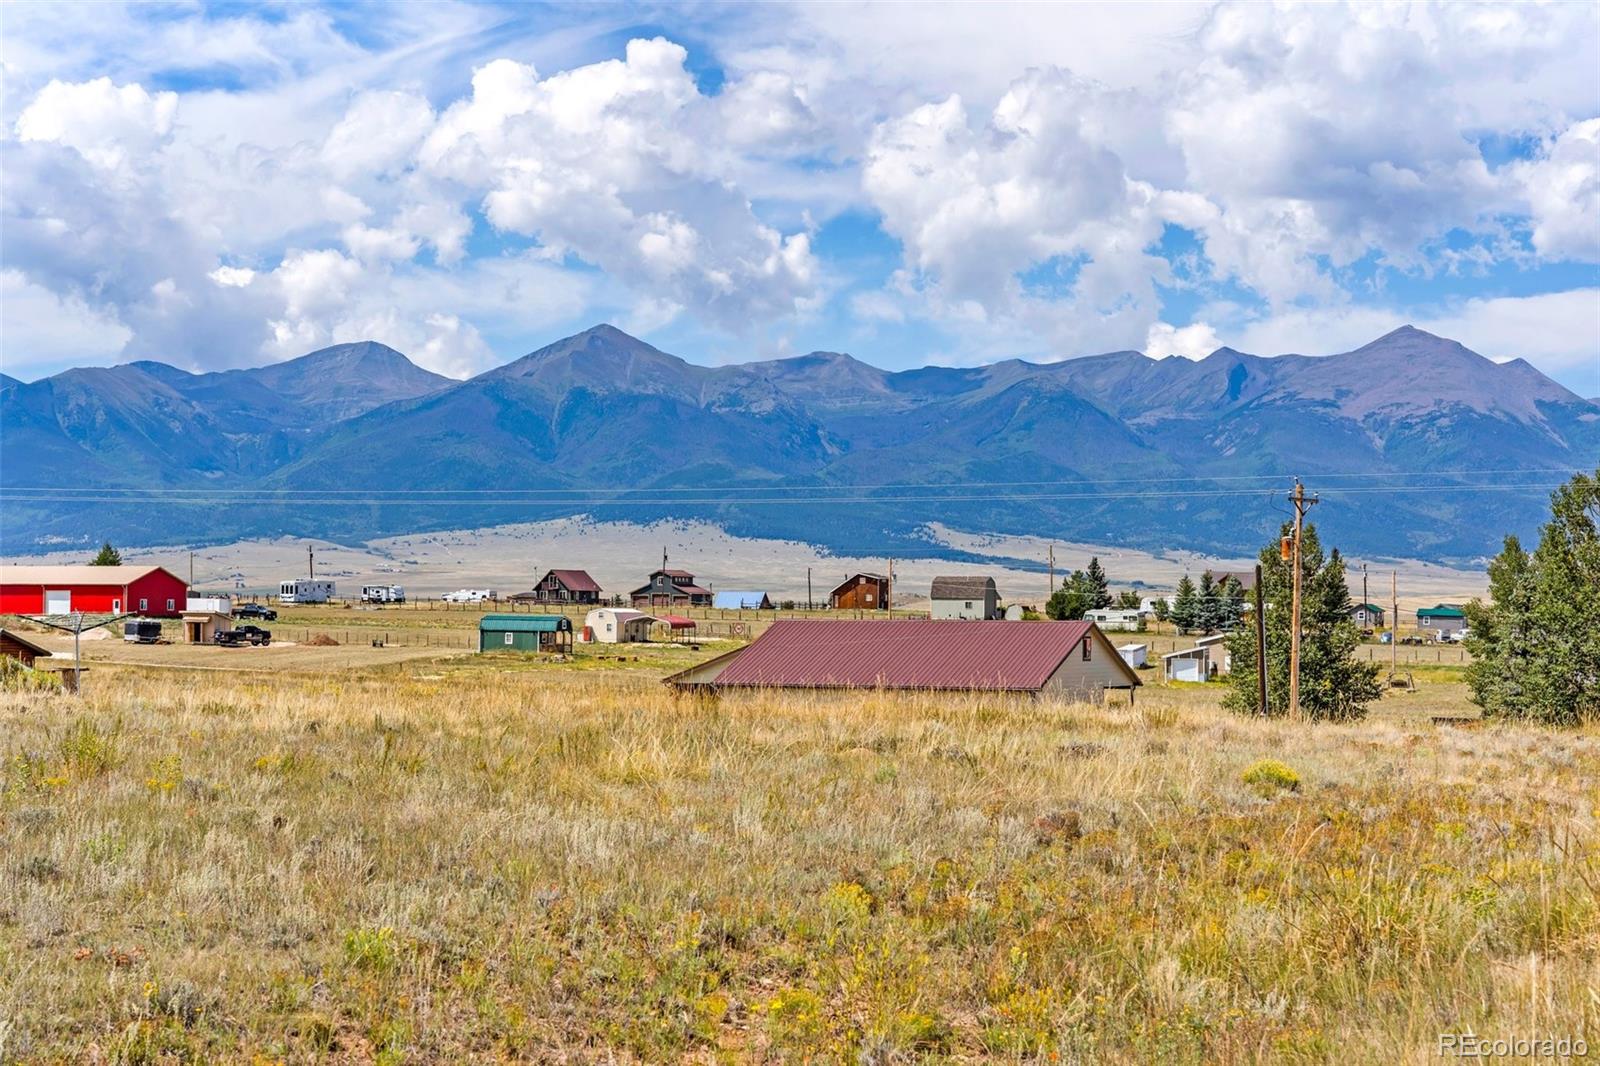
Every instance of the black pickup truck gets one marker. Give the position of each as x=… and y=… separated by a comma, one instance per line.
x=256, y=610
x=239, y=637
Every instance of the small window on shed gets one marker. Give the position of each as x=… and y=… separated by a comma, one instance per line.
x=144, y=604
x=1086, y=643
x=171, y=604
x=509, y=638
x=969, y=605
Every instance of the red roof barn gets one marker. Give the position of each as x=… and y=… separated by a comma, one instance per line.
x=1072, y=659
x=146, y=590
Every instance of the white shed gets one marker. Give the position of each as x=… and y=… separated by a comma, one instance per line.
x=616, y=625
x=1209, y=657
x=1135, y=655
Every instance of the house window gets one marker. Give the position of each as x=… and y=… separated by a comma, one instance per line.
x=509, y=638
x=144, y=604
x=1085, y=649
x=170, y=605
x=969, y=605
x=1427, y=621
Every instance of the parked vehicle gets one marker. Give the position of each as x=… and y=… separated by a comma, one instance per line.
x=302, y=590
x=383, y=594
x=470, y=596
x=141, y=631
x=255, y=610
x=242, y=635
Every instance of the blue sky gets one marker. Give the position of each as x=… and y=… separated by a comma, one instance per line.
x=229, y=185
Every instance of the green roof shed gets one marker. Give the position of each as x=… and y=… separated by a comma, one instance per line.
x=524, y=632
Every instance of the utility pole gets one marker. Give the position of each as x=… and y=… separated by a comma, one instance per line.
x=808, y=588
x=1261, y=648
x=191, y=570
x=1301, y=504
x=1394, y=622
x=888, y=596
x=1050, y=590
x=311, y=562
x=1366, y=600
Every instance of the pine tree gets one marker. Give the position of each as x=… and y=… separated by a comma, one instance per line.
x=1208, y=609
x=1499, y=634
x=1128, y=600
x=1232, y=604
x=1098, y=585
x=108, y=556
x=1073, y=599
x=1536, y=645
x=1162, y=608
x=1334, y=685
x=1185, y=606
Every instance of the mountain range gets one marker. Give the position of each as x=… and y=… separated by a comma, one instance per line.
x=1169, y=453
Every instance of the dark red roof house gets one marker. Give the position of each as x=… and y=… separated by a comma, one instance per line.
x=1068, y=659
x=671, y=588
x=563, y=586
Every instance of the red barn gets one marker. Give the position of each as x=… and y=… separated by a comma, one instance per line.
x=146, y=590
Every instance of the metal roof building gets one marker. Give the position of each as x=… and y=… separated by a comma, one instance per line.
x=1071, y=659
x=147, y=590
x=524, y=632
x=964, y=597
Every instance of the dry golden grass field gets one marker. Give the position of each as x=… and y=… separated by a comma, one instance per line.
x=487, y=859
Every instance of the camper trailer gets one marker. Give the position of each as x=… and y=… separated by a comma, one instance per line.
x=141, y=631
x=303, y=590
x=383, y=594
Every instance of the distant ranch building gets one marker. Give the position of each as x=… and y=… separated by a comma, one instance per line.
x=562, y=586
x=968, y=598
x=147, y=590
x=671, y=588
x=1443, y=620
x=861, y=592
x=1072, y=660
x=1367, y=616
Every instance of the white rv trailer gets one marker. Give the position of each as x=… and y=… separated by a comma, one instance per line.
x=383, y=594
x=304, y=590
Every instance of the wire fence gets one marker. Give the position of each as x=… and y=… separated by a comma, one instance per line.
x=376, y=637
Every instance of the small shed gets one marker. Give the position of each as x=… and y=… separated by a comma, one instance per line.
x=971, y=598
x=617, y=625
x=1207, y=659
x=1367, y=615
x=524, y=632
x=1135, y=655
x=742, y=600
x=18, y=647
x=202, y=627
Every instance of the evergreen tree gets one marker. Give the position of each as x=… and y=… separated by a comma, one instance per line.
x=1233, y=604
x=1499, y=634
x=1162, y=609
x=1185, y=612
x=1334, y=685
x=1073, y=599
x=108, y=556
x=1098, y=585
x=1536, y=645
x=1208, y=607
x=1128, y=600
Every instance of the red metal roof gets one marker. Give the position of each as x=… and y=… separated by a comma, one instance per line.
x=1017, y=656
x=575, y=580
x=676, y=621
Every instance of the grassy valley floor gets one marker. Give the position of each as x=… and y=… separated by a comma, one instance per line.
x=456, y=859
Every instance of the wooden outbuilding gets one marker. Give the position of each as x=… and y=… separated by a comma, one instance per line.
x=861, y=592
x=202, y=627
x=18, y=647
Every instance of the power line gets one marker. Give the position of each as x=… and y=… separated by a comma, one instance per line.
x=217, y=492
x=148, y=497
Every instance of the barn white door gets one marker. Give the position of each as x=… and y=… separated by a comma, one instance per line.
x=57, y=601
